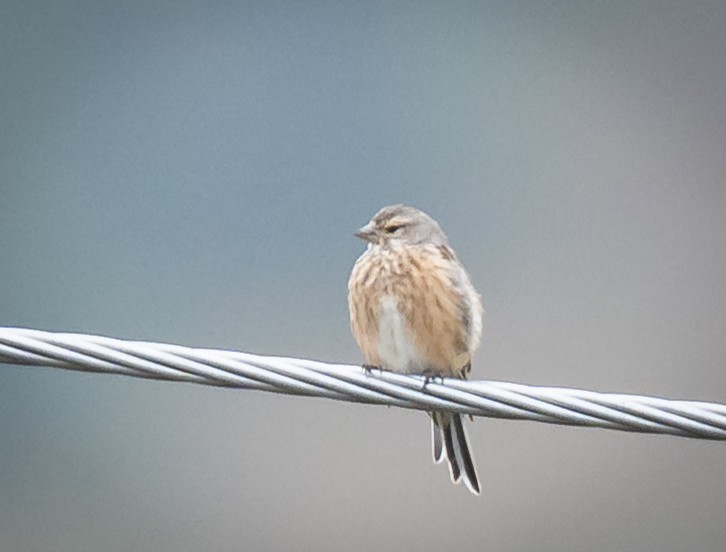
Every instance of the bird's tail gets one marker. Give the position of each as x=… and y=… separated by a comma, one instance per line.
x=449, y=441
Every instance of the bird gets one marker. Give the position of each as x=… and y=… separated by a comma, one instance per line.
x=414, y=310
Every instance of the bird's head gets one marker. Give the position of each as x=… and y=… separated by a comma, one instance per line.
x=402, y=224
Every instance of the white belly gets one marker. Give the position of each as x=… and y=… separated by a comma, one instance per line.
x=396, y=350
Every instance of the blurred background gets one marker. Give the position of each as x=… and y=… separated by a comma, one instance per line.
x=192, y=172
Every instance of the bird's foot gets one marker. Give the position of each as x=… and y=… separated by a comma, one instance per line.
x=368, y=368
x=430, y=376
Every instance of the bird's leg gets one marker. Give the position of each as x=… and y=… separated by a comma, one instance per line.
x=431, y=375
x=370, y=367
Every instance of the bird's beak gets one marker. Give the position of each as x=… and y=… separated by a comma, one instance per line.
x=367, y=233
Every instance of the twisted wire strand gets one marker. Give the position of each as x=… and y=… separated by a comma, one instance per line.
x=161, y=361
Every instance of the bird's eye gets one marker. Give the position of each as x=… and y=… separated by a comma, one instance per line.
x=391, y=228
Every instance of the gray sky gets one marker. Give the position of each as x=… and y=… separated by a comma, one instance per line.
x=193, y=172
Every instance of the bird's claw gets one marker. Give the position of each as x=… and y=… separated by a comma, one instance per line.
x=430, y=376
x=368, y=368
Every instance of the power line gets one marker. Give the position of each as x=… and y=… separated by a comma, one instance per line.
x=92, y=353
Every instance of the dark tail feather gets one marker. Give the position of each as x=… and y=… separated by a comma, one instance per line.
x=449, y=439
x=451, y=452
x=464, y=454
x=437, y=438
